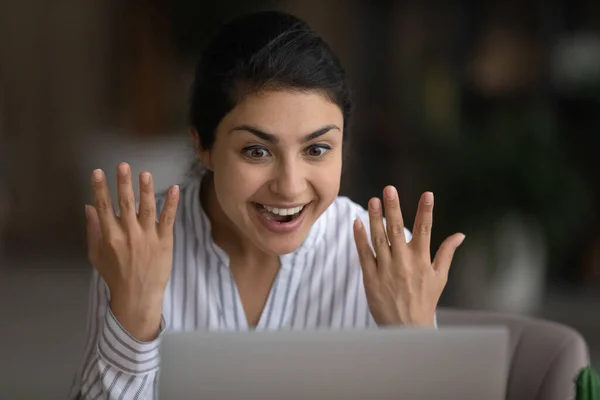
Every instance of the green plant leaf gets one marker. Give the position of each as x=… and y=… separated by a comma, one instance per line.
x=587, y=384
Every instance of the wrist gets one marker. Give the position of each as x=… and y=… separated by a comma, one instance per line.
x=413, y=322
x=141, y=318
x=427, y=321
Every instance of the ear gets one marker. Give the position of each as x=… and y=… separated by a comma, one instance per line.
x=203, y=154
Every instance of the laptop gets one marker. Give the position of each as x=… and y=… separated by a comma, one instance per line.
x=389, y=363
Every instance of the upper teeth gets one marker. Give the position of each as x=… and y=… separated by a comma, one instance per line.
x=284, y=211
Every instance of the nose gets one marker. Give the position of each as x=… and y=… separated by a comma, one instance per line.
x=289, y=181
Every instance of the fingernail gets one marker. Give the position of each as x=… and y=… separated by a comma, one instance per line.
x=428, y=198
x=390, y=192
x=145, y=178
x=87, y=212
x=375, y=204
x=123, y=169
x=98, y=174
x=358, y=224
x=174, y=190
x=462, y=239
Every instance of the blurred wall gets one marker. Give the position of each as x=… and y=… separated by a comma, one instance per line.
x=53, y=70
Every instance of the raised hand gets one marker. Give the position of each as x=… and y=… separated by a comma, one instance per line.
x=132, y=252
x=402, y=285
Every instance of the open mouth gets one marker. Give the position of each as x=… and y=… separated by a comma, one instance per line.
x=280, y=215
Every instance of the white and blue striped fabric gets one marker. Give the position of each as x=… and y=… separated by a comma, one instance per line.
x=318, y=286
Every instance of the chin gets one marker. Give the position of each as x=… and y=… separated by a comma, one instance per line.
x=280, y=246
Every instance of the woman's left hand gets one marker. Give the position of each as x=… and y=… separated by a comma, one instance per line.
x=402, y=285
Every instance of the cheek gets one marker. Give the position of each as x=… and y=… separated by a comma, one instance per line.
x=326, y=180
x=236, y=182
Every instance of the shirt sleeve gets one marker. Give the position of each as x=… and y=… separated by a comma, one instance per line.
x=115, y=364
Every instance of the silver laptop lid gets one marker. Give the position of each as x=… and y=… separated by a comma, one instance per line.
x=394, y=363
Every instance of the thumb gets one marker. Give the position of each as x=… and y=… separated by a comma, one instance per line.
x=93, y=229
x=445, y=254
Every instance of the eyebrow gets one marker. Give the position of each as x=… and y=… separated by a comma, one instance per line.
x=269, y=137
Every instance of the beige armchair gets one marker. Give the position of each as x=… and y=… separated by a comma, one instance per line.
x=545, y=357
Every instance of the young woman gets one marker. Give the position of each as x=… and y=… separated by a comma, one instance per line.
x=261, y=239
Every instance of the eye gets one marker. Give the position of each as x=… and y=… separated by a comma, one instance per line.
x=255, y=152
x=317, y=150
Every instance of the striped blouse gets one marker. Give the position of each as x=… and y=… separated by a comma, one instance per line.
x=318, y=285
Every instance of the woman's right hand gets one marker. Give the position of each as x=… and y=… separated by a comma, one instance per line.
x=132, y=252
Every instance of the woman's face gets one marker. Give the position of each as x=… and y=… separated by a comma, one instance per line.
x=277, y=162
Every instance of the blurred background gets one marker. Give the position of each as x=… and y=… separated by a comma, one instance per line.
x=494, y=106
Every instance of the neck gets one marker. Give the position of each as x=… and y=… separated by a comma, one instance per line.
x=224, y=232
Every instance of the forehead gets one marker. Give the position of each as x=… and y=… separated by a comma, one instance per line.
x=285, y=112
